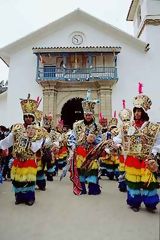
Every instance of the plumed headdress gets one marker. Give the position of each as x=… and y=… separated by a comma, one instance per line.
x=29, y=106
x=125, y=114
x=88, y=104
x=102, y=119
x=47, y=120
x=113, y=122
x=142, y=101
x=60, y=123
x=38, y=115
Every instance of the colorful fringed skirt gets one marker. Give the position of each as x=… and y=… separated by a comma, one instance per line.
x=23, y=175
x=62, y=157
x=40, y=177
x=141, y=183
x=89, y=175
x=121, y=179
x=109, y=167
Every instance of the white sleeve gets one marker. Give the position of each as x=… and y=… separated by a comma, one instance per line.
x=48, y=142
x=156, y=147
x=35, y=146
x=117, y=139
x=7, y=142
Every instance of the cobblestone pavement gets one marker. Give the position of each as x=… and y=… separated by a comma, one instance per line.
x=60, y=215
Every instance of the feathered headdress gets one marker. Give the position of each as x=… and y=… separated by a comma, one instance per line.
x=114, y=121
x=38, y=115
x=60, y=123
x=102, y=119
x=29, y=106
x=47, y=120
x=38, y=100
x=88, y=104
x=142, y=101
x=125, y=114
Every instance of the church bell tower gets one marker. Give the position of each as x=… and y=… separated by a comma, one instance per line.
x=145, y=15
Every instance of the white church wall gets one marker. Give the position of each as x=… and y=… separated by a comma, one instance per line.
x=144, y=35
x=148, y=9
x=92, y=37
x=3, y=109
x=153, y=36
x=150, y=72
x=22, y=80
x=133, y=66
x=130, y=72
x=153, y=7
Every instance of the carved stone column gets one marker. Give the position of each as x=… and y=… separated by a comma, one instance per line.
x=50, y=102
x=45, y=101
x=54, y=103
x=105, y=96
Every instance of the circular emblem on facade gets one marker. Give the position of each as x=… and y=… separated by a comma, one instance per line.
x=77, y=39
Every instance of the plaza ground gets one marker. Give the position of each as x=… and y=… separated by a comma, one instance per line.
x=60, y=215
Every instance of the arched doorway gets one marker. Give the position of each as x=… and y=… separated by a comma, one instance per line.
x=72, y=111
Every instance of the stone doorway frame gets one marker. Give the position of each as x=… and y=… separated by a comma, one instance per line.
x=57, y=93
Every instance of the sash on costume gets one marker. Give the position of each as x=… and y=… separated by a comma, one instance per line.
x=95, y=153
x=77, y=189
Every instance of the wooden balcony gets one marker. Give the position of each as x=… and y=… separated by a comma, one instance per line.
x=51, y=73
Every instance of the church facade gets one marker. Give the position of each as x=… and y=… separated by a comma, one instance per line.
x=64, y=59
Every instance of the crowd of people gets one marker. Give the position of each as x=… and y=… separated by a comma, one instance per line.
x=6, y=156
x=127, y=151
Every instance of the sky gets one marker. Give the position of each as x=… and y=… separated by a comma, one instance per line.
x=21, y=17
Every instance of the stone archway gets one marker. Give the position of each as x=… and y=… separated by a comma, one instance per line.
x=72, y=111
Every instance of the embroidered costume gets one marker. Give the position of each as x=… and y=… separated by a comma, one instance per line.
x=141, y=144
x=85, y=136
x=125, y=116
x=26, y=140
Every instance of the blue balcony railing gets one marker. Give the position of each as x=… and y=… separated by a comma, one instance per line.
x=76, y=74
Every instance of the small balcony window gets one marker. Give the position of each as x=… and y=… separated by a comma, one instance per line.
x=49, y=71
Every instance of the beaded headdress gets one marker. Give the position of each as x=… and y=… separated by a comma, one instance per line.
x=29, y=106
x=125, y=114
x=114, y=121
x=142, y=101
x=88, y=104
x=47, y=120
